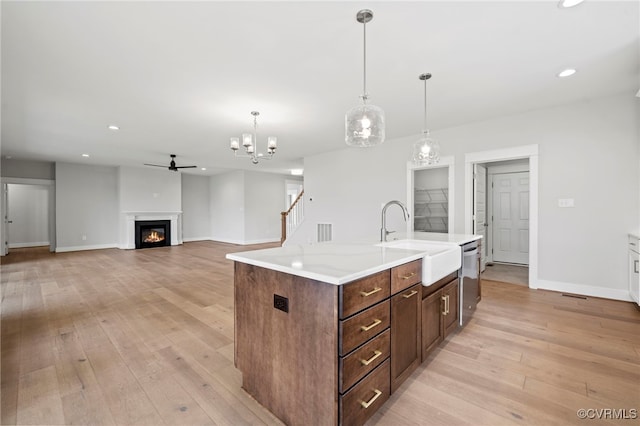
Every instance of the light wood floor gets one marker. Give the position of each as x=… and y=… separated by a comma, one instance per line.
x=146, y=337
x=508, y=273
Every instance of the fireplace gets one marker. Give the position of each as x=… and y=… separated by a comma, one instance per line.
x=152, y=233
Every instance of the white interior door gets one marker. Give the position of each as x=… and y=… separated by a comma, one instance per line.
x=480, y=208
x=511, y=217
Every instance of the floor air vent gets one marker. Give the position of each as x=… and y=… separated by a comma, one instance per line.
x=324, y=232
x=576, y=296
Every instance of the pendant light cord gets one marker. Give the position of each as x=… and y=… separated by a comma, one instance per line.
x=424, y=127
x=364, y=62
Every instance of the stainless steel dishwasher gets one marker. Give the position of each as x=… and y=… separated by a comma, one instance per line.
x=468, y=281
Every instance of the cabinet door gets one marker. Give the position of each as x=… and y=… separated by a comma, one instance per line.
x=450, y=314
x=405, y=334
x=432, y=306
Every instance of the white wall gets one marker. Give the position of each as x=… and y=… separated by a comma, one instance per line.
x=227, y=207
x=149, y=190
x=86, y=205
x=29, y=214
x=196, y=217
x=246, y=206
x=587, y=151
x=265, y=195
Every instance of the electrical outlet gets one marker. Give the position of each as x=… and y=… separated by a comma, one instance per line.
x=84, y=238
x=281, y=303
x=565, y=202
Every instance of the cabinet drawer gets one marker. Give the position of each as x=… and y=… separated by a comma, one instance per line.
x=363, y=360
x=363, y=326
x=406, y=275
x=363, y=293
x=364, y=399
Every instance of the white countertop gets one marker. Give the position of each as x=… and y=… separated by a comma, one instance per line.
x=340, y=263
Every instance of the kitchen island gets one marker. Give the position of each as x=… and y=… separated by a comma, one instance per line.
x=325, y=333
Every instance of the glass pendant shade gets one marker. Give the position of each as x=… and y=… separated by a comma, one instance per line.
x=364, y=126
x=426, y=151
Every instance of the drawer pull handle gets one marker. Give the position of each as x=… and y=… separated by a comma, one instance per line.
x=369, y=327
x=369, y=293
x=406, y=277
x=413, y=293
x=635, y=266
x=445, y=308
x=373, y=358
x=372, y=400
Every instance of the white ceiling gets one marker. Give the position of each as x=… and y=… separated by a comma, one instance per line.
x=182, y=77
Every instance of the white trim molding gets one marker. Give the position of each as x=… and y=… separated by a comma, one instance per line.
x=514, y=153
x=82, y=248
x=447, y=161
x=244, y=243
x=585, y=290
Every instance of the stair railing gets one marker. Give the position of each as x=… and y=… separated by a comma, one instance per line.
x=292, y=217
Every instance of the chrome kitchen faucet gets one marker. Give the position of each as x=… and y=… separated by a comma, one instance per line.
x=383, y=230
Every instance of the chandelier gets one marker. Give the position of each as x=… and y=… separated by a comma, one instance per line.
x=250, y=142
x=364, y=124
x=426, y=150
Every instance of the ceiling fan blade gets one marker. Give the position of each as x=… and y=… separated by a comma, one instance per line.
x=154, y=165
x=186, y=167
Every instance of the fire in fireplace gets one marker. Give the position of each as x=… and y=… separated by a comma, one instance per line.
x=153, y=233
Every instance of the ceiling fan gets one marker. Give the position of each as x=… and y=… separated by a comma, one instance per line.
x=172, y=165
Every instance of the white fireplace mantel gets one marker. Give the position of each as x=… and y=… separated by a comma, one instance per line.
x=128, y=225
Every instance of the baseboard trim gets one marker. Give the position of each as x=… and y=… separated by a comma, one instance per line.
x=81, y=248
x=192, y=239
x=585, y=290
x=245, y=242
x=24, y=245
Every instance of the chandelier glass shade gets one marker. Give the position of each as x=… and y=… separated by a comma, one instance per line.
x=426, y=151
x=249, y=143
x=364, y=124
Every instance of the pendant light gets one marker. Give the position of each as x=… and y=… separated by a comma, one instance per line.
x=426, y=150
x=364, y=124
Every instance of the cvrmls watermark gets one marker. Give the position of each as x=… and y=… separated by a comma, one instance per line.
x=607, y=413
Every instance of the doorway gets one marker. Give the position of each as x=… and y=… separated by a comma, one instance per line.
x=28, y=213
x=506, y=216
x=430, y=196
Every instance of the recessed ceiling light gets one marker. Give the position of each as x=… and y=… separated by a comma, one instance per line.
x=564, y=4
x=567, y=72
x=297, y=172
x=113, y=127
x=85, y=155
x=203, y=169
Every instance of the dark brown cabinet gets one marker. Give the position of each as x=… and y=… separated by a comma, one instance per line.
x=440, y=314
x=405, y=334
x=335, y=352
x=450, y=317
x=432, y=333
